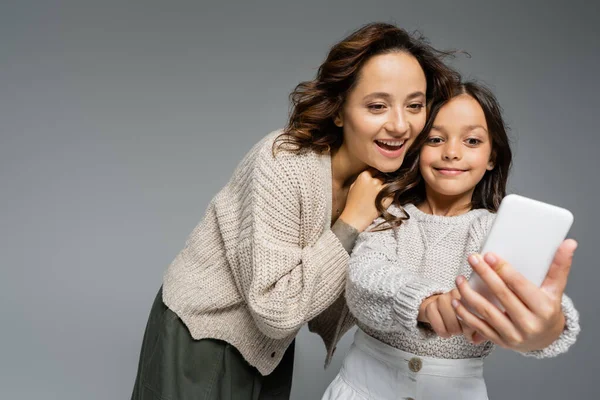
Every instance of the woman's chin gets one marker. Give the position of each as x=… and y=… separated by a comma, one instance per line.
x=388, y=167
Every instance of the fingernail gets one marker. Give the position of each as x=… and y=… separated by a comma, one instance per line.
x=473, y=259
x=458, y=316
x=455, y=303
x=460, y=279
x=490, y=258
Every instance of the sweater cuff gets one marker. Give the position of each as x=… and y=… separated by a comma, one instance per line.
x=346, y=233
x=329, y=254
x=566, y=338
x=407, y=303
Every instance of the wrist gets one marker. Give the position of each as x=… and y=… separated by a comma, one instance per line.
x=357, y=223
x=560, y=325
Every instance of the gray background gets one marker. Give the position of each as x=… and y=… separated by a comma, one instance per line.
x=120, y=120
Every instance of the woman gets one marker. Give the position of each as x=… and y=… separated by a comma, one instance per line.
x=272, y=251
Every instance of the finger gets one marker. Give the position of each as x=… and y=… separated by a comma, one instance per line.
x=476, y=324
x=523, y=288
x=556, y=278
x=488, y=312
x=371, y=172
x=468, y=332
x=478, y=338
x=493, y=275
x=436, y=321
x=449, y=316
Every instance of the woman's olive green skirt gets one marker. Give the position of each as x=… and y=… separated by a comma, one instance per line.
x=174, y=366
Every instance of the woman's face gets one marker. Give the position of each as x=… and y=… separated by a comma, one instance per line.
x=384, y=112
x=458, y=150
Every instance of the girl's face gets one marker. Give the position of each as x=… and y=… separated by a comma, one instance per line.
x=384, y=111
x=458, y=150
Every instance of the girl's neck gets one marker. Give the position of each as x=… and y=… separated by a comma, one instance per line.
x=448, y=206
x=345, y=168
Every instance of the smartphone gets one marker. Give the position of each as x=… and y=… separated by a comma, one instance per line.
x=526, y=233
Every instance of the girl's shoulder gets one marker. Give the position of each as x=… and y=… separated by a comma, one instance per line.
x=481, y=225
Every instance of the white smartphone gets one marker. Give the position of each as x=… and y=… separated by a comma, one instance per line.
x=526, y=233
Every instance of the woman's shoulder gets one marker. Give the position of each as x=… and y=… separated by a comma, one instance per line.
x=279, y=168
x=274, y=148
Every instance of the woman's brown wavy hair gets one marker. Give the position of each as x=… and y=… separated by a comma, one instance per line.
x=315, y=103
x=407, y=185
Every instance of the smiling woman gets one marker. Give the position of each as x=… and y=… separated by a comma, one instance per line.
x=384, y=112
x=272, y=251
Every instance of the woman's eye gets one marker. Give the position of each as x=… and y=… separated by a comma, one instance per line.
x=376, y=107
x=416, y=106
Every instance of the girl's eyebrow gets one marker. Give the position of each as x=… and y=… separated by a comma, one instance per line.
x=469, y=128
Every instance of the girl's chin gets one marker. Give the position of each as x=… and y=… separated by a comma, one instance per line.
x=449, y=192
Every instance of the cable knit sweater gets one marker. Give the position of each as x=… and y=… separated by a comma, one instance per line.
x=265, y=259
x=391, y=273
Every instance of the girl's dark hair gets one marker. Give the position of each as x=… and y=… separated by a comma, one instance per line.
x=316, y=103
x=407, y=186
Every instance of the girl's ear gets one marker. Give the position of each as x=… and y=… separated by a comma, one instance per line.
x=492, y=162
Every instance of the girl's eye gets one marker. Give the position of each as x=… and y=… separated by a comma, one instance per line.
x=416, y=106
x=434, y=140
x=473, y=141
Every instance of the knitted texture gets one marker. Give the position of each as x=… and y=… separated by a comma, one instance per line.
x=391, y=272
x=264, y=260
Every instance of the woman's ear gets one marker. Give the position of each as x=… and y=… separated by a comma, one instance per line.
x=338, y=120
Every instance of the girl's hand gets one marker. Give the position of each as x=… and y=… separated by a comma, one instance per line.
x=438, y=312
x=533, y=318
x=360, y=210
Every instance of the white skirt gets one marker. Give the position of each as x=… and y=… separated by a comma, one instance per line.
x=374, y=370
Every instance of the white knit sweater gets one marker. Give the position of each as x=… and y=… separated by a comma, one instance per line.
x=264, y=260
x=391, y=273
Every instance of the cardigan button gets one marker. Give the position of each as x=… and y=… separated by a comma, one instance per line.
x=272, y=354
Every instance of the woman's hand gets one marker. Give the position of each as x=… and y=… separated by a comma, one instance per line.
x=360, y=210
x=533, y=316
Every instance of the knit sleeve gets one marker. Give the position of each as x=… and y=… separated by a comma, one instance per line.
x=291, y=266
x=566, y=338
x=380, y=291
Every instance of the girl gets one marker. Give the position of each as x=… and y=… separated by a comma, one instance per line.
x=415, y=340
x=272, y=250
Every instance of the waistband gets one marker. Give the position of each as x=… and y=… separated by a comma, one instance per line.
x=397, y=358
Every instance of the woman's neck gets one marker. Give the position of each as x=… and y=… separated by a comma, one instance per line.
x=345, y=168
x=443, y=205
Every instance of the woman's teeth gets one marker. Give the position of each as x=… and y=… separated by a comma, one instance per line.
x=390, y=144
